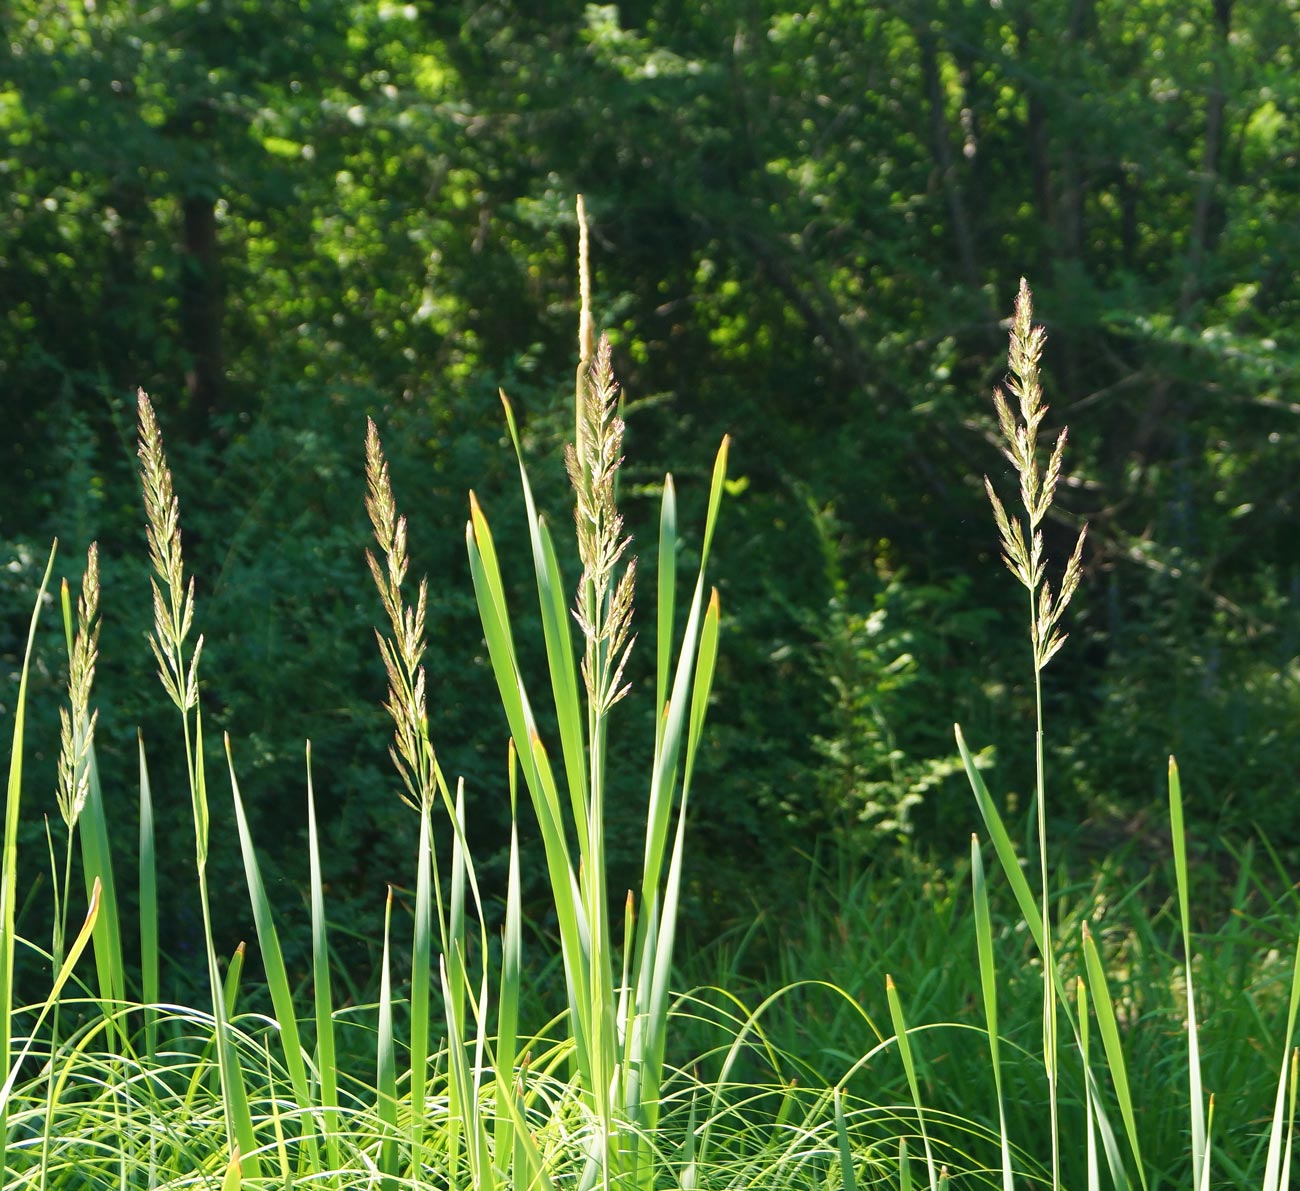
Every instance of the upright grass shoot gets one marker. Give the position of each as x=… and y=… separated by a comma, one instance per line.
x=178, y=671
x=618, y=1032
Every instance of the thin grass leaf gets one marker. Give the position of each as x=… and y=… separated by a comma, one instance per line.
x=9, y=858
x=989, y=997
x=560, y=658
x=1196, y=1095
x=322, y=993
x=909, y=1069
x=1089, y=1103
x=667, y=595
x=848, y=1177
x=1278, y=1126
x=386, y=1057
x=276, y=975
x=148, y=892
x=1031, y=915
x=1108, y=1028
x=233, y=1179
x=511, y=975
x=61, y=978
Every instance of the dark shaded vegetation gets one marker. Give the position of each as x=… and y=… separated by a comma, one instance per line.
x=806, y=229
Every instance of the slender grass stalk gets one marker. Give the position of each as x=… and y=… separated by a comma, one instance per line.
x=173, y=619
x=9, y=859
x=618, y=1034
x=989, y=996
x=277, y=976
x=148, y=893
x=386, y=1059
x=1089, y=1104
x=1196, y=1096
x=1108, y=1029
x=1022, y=545
x=322, y=989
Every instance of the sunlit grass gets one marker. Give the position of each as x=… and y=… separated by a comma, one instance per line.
x=994, y=1027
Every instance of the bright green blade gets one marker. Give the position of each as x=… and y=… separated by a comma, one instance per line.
x=666, y=606
x=511, y=978
x=848, y=1177
x=148, y=909
x=268, y=940
x=1278, y=1127
x=909, y=1069
x=1108, y=1028
x=9, y=857
x=989, y=995
x=558, y=638
x=1089, y=1104
x=386, y=1056
x=60, y=979
x=1196, y=1093
x=322, y=992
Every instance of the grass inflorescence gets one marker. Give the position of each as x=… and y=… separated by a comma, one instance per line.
x=929, y=1028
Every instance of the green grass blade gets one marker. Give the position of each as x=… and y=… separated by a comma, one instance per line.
x=1289, y=1148
x=667, y=595
x=233, y=1179
x=716, y=485
x=421, y=958
x=1277, y=1129
x=989, y=996
x=1196, y=1093
x=9, y=857
x=322, y=992
x=1030, y=910
x=1108, y=1028
x=1031, y=914
x=558, y=639
x=234, y=973
x=148, y=910
x=1089, y=1101
x=60, y=979
x=848, y=1177
x=511, y=977
x=97, y=862
x=909, y=1069
x=268, y=941
x=386, y=1056
x=97, y=859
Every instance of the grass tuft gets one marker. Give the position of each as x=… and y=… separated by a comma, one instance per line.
x=843, y=1077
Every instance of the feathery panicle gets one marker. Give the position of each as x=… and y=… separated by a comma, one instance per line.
x=604, y=607
x=77, y=720
x=172, y=615
x=402, y=651
x=1022, y=543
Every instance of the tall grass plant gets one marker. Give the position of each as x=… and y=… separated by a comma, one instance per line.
x=920, y=1035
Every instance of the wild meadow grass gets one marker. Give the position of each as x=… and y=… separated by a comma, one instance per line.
x=1002, y=1025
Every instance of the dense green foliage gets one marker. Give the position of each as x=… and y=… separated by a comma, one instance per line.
x=806, y=225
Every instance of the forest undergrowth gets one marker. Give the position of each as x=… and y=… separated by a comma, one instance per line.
x=1008, y=1023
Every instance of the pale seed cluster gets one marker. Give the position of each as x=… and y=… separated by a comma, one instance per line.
x=172, y=617
x=604, y=607
x=77, y=721
x=1037, y=488
x=401, y=652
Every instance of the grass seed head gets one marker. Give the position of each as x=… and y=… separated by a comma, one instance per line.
x=77, y=721
x=174, y=613
x=605, y=605
x=1022, y=540
x=403, y=651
